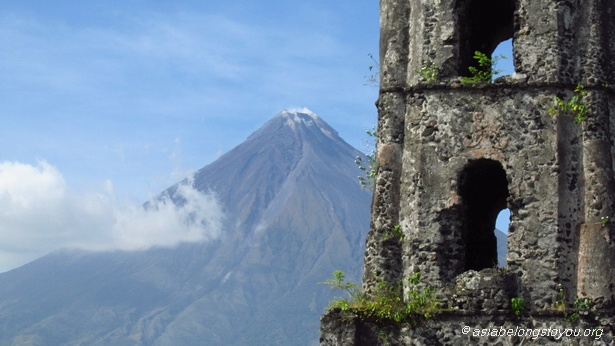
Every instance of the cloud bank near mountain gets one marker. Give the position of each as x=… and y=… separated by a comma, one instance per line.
x=40, y=214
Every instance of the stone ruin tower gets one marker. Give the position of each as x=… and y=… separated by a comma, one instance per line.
x=451, y=156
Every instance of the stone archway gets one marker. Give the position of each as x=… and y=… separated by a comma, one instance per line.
x=483, y=188
x=483, y=24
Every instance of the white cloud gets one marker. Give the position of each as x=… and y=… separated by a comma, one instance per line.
x=40, y=214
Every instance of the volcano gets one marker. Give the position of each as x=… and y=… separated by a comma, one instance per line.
x=295, y=212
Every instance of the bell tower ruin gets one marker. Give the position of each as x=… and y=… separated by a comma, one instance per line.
x=451, y=155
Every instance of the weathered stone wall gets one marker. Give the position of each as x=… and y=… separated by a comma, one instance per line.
x=450, y=156
x=383, y=252
x=559, y=171
x=461, y=329
x=446, y=131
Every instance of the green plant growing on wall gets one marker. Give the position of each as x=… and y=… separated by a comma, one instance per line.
x=368, y=167
x=581, y=306
x=384, y=338
x=382, y=335
x=373, y=78
x=560, y=303
x=605, y=220
x=517, y=305
x=485, y=70
x=575, y=106
x=573, y=317
x=354, y=292
x=429, y=73
x=421, y=301
x=387, y=302
x=396, y=233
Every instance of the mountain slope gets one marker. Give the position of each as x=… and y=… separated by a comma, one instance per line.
x=502, y=246
x=295, y=212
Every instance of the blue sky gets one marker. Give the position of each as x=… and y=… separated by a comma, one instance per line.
x=104, y=104
x=141, y=92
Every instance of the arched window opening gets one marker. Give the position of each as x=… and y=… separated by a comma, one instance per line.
x=501, y=234
x=483, y=25
x=483, y=188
